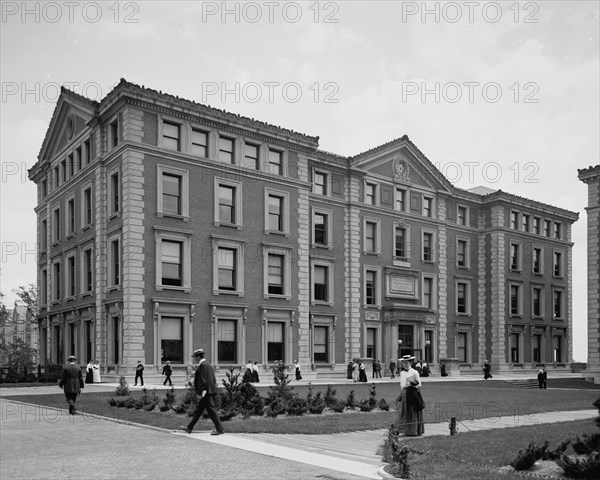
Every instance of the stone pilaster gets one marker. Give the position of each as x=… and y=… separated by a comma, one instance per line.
x=303, y=317
x=133, y=255
x=100, y=254
x=442, y=259
x=481, y=292
x=498, y=288
x=352, y=273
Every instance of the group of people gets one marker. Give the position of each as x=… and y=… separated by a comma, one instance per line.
x=357, y=370
x=92, y=374
x=251, y=372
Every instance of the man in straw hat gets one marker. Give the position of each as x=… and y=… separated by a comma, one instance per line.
x=72, y=382
x=206, y=387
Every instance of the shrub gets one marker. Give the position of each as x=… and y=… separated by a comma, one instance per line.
x=351, y=400
x=372, y=397
x=281, y=391
x=123, y=389
x=586, y=444
x=395, y=453
x=330, y=398
x=557, y=452
x=275, y=408
x=526, y=458
x=297, y=406
x=147, y=401
x=365, y=405
x=168, y=401
x=251, y=401
x=230, y=396
x=338, y=406
x=383, y=405
x=597, y=405
x=317, y=405
x=588, y=467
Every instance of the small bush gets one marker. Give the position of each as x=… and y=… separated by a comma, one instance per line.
x=277, y=407
x=586, y=444
x=330, y=398
x=526, y=458
x=317, y=405
x=351, y=400
x=123, y=389
x=338, y=406
x=557, y=452
x=365, y=405
x=297, y=406
x=372, y=397
x=168, y=401
x=395, y=453
x=588, y=467
x=384, y=405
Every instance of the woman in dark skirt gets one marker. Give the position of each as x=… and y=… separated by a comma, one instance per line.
x=410, y=416
x=298, y=370
x=89, y=376
x=350, y=368
x=254, y=375
x=362, y=373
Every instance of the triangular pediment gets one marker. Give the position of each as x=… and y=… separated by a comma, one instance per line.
x=69, y=119
x=401, y=162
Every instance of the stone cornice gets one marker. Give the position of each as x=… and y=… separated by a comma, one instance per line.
x=587, y=174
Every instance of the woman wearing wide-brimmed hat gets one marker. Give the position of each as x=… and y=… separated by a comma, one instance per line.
x=410, y=415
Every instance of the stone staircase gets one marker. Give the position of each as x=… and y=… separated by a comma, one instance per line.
x=524, y=382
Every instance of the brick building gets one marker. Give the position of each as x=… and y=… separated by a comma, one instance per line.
x=165, y=225
x=591, y=176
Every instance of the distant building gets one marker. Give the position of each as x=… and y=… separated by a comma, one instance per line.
x=19, y=324
x=591, y=176
x=165, y=225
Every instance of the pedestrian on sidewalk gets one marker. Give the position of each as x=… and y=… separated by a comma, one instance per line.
x=71, y=381
x=393, y=368
x=167, y=370
x=376, y=369
x=97, y=377
x=487, y=370
x=362, y=371
x=542, y=378
x=254, y=375
x=443, y=370
x=298, y=371
x=205, y=385
x=426, y=370
x=349, y=370
x=89, y=372
x=354, y=371
x=410, y=416
x=139, y=373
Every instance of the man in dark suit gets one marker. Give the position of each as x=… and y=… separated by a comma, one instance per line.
x=206, y=387
x=72, y=382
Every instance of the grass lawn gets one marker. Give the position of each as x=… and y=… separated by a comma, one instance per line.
x=465, y=400
x=477, y=455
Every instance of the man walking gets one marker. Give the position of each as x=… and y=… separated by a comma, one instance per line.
x=139, y=373
x=167, y=371
x=206, y=387
x=542, y=378
x=72, y=382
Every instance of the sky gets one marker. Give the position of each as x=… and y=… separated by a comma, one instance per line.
x=499, y=94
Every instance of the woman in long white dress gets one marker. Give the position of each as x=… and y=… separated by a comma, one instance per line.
x=410, y=415
x=97, y=378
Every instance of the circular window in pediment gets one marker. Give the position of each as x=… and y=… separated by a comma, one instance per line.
x=70, y=126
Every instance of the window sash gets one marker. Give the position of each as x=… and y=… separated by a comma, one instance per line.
x=320, y=228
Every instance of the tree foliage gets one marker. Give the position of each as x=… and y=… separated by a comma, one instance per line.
x=19, y=357
x=28, y=295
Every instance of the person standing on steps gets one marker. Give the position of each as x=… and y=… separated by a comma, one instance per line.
x=298, y=370
x=97, y=377
x=72, y=383
x=139, y=373
x=206, y=387
x=393, y=368
x=167, y=370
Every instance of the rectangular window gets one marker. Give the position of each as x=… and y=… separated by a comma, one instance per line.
x=44, y=288
x=427, y=207
x=461, y=297
x=514, y=347
x=87, y=206
x=536, y=225
x=171, y=136
x=320, y=344
x=171, y=192
x=461, y=346
x=526, y=222
x=114, y=133
x=557, y=264
x=514, y=220
x=320, y=228
x=427, y=247
x=547, y=228
x=44, y=188
x=251, y=156
x=171, y=339
x=56, y=228
x=88, y=340
x=320, y=282
x=275, y=342
x=226, y=150
x=536, y=341
x=515, y=303
x=537, y=260
x=537, y=302
x=116, y=262
x=171, y=260
x=71, y=216
x=400, y=200
x=275, y=162
x=226, y=263
x=72, y=338
x=320, y=183
x=276, y=274
x=370, y=237
x=71, y=164
x=71, y=275
x=370, y=194
x=371, y=338
x=56, y=177
x=515, y=260
x=56, y=281
x=226, y=341
x=44, y=235
x=226, y=204
x=116, y=339
x=78, y=158
x=88, y=270
x=115, y=193
x=428, y=292
x=88, y=152
x=63, y=167
x=558, y=304
x=199, y=143
x=275, y=213
x=461, y=215
x=461, y=253
x=400, y=242
x=557, y=348
x=371, y=287
x=557, y=230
